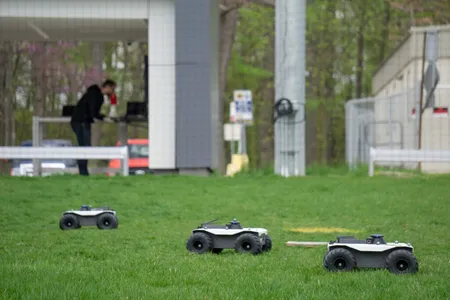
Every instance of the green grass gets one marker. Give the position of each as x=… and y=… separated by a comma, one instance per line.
x=146, y=257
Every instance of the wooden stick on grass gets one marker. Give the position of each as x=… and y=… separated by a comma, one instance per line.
x=306, y=244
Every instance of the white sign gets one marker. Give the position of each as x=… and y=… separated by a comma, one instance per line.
x=232, y=132
x=242, y=107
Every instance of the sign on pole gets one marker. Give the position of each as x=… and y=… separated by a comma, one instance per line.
x=232, y=132
x=232, y=112
x=241, y=109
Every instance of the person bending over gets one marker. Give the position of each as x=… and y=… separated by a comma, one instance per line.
x=85, y=112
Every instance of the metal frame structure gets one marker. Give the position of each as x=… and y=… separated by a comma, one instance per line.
x=182, y=61
x=400, y=130
x=39, y=132
x=67, y=153
x=361, y=120
x=406, y=155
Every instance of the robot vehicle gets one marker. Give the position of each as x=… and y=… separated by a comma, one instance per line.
x=103, y=218
x=347, y=253
x=209, y=237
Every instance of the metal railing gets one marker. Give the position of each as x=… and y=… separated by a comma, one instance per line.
x=391, y=122
x=38, y=133
x=406, y=155
x=48, y=153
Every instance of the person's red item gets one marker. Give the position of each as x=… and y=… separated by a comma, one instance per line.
x=113, y=99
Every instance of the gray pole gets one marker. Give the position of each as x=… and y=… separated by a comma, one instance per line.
x=290, y=39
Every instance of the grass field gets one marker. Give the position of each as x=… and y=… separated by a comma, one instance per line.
x=146, y=257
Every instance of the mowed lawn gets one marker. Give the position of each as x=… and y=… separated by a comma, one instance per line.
x=146, y=257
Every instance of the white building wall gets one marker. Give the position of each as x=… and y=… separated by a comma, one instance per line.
x=161, y=82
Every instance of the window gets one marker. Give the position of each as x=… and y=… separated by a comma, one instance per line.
x=138, y=151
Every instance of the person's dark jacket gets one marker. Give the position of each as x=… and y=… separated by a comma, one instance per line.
x=88, y=107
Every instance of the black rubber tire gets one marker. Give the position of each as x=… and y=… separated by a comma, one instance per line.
x=217, y=250
x=339, y=260
x=324, y=261
x=117, y=223
x=69, y=221
x=107, y=221
x=268, y=245
x=402, y=262
x=248, y=243
x=199, y=243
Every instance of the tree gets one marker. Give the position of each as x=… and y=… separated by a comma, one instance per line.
x=6, y=91
x=228, y=21
x=252, y=67
x=423, y=12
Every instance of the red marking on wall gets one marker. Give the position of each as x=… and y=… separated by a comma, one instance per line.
x=437, y=111
x=440, y=110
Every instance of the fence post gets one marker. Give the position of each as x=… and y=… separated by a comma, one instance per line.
x=36, y=142
x=125, y=170
x=390, y=123
x=371, y=161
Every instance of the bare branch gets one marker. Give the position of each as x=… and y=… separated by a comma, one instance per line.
x=270, y=3
x=236, y=4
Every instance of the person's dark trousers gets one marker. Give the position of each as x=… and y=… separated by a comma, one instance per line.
x=83, y=133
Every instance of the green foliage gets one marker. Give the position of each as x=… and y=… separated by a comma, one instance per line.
x=251, y=75
x=249, y=69
x=246, y=68
x=80, y=55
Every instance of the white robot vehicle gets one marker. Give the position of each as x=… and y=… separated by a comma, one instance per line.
x=209, y=237
x=103, y=218
x=348, y=253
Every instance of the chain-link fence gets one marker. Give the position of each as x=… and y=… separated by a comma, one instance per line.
x=393, y=122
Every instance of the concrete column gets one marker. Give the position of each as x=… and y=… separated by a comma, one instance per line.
x=161, y=82
x=290, y=27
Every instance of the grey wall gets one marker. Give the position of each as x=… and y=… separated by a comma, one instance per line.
x=193, y=84
x=214, y=28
